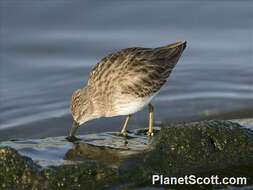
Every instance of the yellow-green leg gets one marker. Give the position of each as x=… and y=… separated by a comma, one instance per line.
x=151, y=120
x=124, y=129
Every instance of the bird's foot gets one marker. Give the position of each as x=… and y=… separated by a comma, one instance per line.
x=72, y=138
x=124, y=133
x=150, y=134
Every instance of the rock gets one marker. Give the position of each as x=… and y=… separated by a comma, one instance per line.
x=108, y=160
x=17, y=172
x=86, y=175
x=202, y=148
x=20, y=172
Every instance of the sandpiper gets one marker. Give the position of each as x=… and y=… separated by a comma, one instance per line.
x=123, y=83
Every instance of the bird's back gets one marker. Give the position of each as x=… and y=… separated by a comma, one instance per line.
x=124, y=82
x=136, y=71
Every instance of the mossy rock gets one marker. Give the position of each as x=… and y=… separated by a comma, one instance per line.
x=20, y=172
x=201, y=148
x=87, y=175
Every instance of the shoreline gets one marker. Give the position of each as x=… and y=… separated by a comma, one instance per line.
x=59, y=126
x=206, y=148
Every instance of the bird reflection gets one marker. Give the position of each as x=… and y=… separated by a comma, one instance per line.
x=108, y=148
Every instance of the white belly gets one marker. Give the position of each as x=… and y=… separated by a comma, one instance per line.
x=128, y=107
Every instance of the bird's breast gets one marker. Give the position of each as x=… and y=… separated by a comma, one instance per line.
x=129, y=105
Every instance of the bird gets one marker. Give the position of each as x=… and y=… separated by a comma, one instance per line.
x=123, y=83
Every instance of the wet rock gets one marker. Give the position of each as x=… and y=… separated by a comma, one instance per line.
x=85, y=175
x=202, y=148
x=18, y=172
x=108, y=160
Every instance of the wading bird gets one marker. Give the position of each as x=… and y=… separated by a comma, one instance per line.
x=124, y=83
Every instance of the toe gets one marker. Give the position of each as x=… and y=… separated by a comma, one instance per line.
x=124, y=133
x=150, y=134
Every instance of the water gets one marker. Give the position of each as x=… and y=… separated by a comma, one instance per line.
x=109, y=148
x=49, y=47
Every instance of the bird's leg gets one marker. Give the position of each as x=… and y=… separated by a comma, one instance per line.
x=123, y=130
x=71, y=137
x=151, y=120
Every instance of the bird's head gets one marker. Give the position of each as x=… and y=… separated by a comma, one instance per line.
x=82, y=106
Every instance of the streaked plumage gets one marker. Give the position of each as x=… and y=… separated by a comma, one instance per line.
x=124, y=82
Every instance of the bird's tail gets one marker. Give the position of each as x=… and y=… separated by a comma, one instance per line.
x=169, y=52
x=180, y=44
x=166, y=57
x=175, y=48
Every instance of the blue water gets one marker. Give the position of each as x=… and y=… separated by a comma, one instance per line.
x=47, y=49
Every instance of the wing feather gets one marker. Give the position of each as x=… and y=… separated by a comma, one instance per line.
x=138, y=71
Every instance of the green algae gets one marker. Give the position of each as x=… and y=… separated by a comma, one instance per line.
x=82, y=176
x=202, y=148
x=212, y=144
x=18, y=172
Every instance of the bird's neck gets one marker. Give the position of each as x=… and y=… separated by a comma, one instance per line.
x=97, y=103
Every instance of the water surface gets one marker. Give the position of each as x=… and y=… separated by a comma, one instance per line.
x=49, y=47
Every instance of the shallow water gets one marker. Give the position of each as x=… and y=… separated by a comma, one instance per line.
x=49, y=47
x=108, y=148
